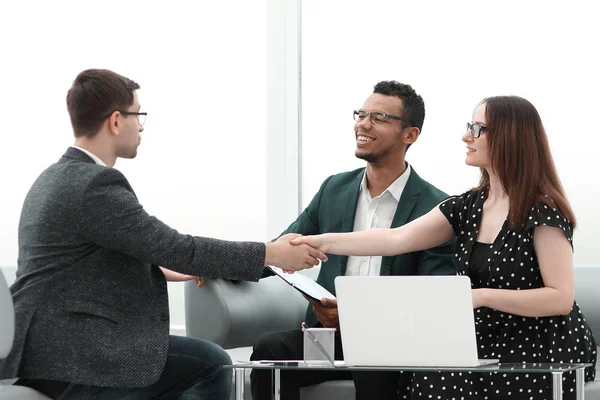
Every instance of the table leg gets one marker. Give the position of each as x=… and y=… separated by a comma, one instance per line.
x=277, y=384
x=240, y=383
x=557, y=386
x=579, y=383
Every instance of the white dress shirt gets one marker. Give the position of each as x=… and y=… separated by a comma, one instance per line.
x=374, y=213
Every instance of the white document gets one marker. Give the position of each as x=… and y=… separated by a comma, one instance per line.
x=303, y=284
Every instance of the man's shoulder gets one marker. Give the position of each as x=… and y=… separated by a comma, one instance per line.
x=83, y=171
x=68, y=177
x=429, y=194
x=345, y=178
x=431, y=191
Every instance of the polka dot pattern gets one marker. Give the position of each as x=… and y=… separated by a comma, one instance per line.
x=509, y=263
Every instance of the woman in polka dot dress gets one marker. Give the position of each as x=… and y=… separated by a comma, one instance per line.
x=514, y=240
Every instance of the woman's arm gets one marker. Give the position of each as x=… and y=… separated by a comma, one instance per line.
x=555, y=257
x=430, y=230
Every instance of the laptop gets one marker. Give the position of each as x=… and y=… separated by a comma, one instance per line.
x=407, y=321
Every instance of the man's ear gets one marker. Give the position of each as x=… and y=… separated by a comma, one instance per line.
x=113, y=123
x=411, y=134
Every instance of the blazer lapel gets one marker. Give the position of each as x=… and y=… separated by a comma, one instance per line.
x=408, y=200
x=351, y=196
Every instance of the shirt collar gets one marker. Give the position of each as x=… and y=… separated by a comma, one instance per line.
x=94, y=157
x=395, y=189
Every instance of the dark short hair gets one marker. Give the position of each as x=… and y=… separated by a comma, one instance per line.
x=414, y=107
x=94, y=95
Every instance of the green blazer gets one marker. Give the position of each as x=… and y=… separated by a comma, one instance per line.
x=333, y=209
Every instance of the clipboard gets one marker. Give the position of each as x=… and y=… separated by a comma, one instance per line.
x=303, y=284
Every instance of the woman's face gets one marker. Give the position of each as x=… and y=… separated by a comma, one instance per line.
x=477, y=148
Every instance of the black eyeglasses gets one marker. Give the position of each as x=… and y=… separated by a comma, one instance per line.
x=476, y=129
x=141, y=116
x=377, y=117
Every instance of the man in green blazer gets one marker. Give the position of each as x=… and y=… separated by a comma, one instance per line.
x=388, y=192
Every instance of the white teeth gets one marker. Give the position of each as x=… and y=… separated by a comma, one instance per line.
x=362, y=138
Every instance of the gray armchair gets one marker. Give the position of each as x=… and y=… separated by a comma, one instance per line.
x=587, y=295
x=7, y=331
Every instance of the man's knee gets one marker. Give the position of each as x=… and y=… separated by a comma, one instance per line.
x=217, y=359
x=271, y=345
x=207, y=353
x=218, y=355
x=225, y=358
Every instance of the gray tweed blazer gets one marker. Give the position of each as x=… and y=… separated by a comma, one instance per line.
x=91, y=304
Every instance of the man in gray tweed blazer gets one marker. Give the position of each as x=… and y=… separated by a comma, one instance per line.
x=92, y=313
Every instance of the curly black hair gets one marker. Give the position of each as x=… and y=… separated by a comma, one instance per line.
x=414, y=107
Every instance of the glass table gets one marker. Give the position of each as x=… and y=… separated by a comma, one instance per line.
x=556, y=370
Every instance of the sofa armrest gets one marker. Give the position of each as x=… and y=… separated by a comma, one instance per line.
x=235, y=314
x=7, y=316
x=587, y=295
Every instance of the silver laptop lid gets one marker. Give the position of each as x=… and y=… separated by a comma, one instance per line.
x=406, y=320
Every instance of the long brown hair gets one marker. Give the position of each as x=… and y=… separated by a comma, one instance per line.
x=521, y=158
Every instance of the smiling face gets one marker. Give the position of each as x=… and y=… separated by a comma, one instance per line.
x=478, y=154
x=377, y=142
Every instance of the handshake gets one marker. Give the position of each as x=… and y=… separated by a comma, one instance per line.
x=294, y=252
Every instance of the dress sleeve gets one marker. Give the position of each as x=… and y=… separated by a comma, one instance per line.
x=544, y=214
x=453, y=208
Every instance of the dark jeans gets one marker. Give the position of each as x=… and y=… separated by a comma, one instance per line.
x=194, y=370
x=288, y=345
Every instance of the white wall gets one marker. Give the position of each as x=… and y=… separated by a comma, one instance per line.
x=202, y=166
x=454, y=53
x=202, y=66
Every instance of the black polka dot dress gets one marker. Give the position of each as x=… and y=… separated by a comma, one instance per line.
x=509, y=263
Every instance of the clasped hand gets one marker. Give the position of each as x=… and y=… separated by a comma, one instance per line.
x=292, y=256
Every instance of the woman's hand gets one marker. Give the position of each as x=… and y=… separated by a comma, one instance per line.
x=287, y=256
x=315, y=241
